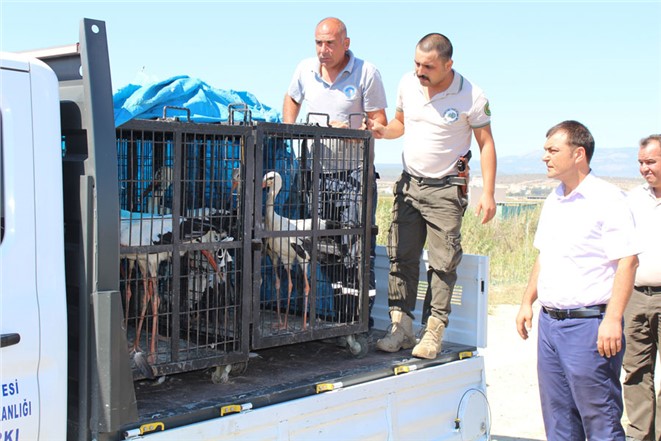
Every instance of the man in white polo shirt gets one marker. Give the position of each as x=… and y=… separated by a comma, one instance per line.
x=583, y=278
x=335, y=83
x=346, y=89
x=642, y=318
x=441, y=112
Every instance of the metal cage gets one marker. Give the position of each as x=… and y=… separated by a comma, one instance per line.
x=182, y=245
x=311, y=220
x=239, y=237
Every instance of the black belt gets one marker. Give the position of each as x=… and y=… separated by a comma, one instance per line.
x=447, y=180
x=586, y=312
x=648, y=290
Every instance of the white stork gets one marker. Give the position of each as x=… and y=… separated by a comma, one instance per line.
x=155, y=192
x=286, y=250
x=138, y=229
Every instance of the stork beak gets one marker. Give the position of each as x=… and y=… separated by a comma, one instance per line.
x=211, y=260
x=150, y=188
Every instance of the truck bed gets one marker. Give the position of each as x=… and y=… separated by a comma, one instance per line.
x=274, y=375
x=284, y=373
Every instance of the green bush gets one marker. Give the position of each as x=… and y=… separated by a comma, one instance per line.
x=383, y=216
x=507, y=240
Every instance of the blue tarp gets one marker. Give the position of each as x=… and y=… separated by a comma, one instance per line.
x=206, y=104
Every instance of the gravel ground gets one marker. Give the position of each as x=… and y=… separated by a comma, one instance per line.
x=511, y=373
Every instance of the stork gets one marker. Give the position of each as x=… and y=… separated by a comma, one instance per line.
x=200, y=278
x=236, y=187
x=155, y=192
x=286, y=250
x=137, y=230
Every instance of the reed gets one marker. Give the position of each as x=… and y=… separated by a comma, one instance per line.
x=507, y=240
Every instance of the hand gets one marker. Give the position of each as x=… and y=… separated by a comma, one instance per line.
x=487, y=204
x=524, y=321
x=378, y=130
x=609, y=337
x=339, y=124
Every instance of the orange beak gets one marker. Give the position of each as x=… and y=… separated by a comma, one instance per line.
x=211, y=260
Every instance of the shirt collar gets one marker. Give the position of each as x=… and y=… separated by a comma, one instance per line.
x=348, y=68
x=580, y=191
x=649, y=190
x=454, y=88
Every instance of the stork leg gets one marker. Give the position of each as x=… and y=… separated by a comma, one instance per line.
x=127, y=287
x=155, y=303
x=276, y=273
x=143, y=310
x=290, y=286
x=277, y=297
x=307, y=292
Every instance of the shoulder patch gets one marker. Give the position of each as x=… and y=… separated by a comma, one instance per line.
x=487, y=109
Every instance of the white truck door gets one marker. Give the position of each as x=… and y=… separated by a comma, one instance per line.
x=23, y=319
x=468, y=320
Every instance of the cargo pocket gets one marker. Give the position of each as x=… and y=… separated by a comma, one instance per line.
x=447, y=255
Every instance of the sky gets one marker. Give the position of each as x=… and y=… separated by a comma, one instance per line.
x=539, y=63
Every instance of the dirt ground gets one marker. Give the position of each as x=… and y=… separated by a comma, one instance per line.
x=511, y=373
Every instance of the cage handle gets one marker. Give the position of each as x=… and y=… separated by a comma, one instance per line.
x=185, y=109
x=307, y=120
x=362, y=114
x=239, y=107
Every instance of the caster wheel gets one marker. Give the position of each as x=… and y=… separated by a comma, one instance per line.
x=240, y=368
x=221, y=374
x=358, y=345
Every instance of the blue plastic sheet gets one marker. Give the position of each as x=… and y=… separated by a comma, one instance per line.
x=206, y=103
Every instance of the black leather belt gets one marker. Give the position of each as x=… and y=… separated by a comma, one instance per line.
x=648, y=290
x=447, y=180
x=586, y=312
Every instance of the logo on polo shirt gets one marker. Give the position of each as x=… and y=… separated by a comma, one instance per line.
x=450, y=115
x=487, y=109
x=350, y=92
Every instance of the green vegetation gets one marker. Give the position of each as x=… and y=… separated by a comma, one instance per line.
x=507, y=240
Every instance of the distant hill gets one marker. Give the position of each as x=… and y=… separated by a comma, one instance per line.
x=614, y=163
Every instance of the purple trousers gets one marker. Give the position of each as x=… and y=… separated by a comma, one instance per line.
x=580, y=390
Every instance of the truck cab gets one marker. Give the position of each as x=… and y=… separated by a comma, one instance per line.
x=33, y=358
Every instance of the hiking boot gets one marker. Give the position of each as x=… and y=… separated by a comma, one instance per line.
x=430, y=344
x=401, y=333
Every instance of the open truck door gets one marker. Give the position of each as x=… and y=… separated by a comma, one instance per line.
x=32, y=289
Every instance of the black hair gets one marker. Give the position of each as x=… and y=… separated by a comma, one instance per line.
x=577, y=135
x=438, y=43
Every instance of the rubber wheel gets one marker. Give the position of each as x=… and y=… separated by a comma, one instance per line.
x=363, y=343
x=239, y=368
x=221, y=374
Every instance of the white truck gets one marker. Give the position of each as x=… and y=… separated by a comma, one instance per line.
x=65, y=369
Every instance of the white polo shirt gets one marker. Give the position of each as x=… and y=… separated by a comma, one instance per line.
x=357, y=89
x=646, y=208
x=439, y=130
x=580, y=238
